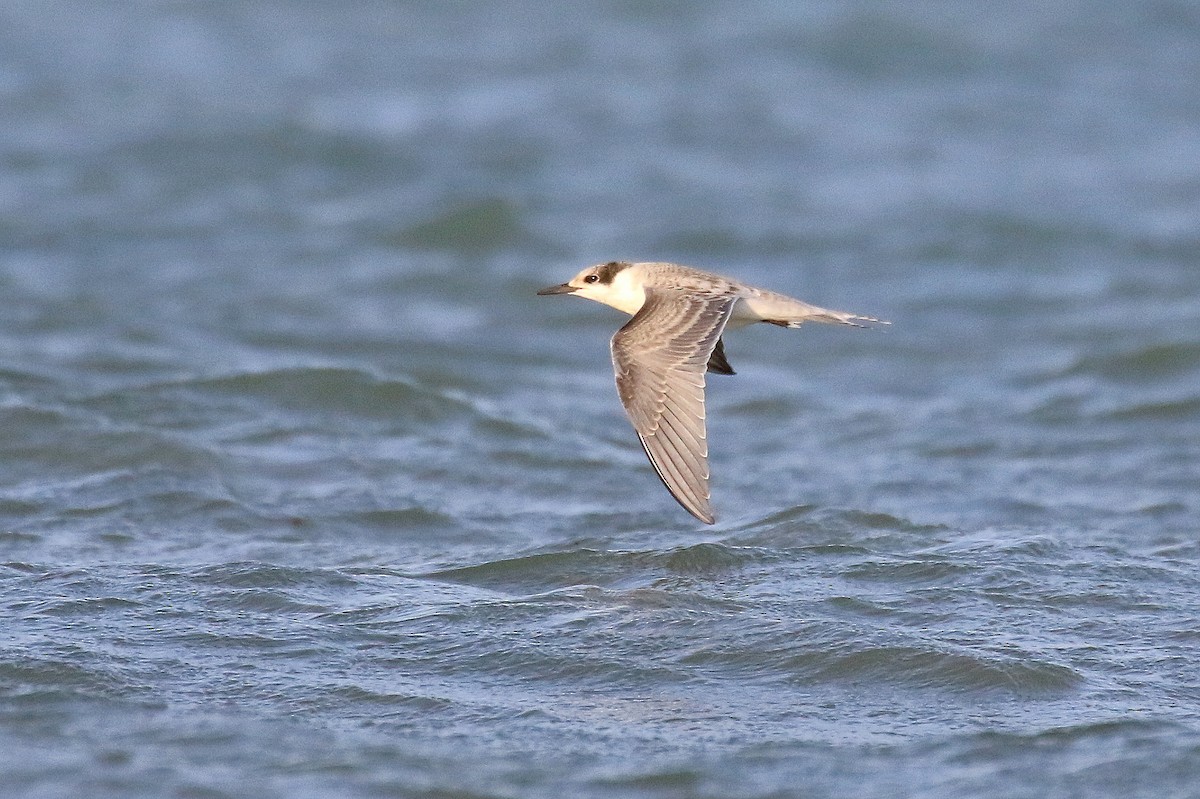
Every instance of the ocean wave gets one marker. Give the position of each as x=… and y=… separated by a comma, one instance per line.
x=817, y=653
x=300, y=389
x=817, y=526
x=1160, y=410
x=1150, y=362
x=553, y=570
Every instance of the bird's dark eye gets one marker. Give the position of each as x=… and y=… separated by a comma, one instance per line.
x=591, y=278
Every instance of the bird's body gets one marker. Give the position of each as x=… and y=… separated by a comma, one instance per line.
x=662, y=354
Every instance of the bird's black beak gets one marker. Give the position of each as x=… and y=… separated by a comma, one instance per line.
x=565, y=288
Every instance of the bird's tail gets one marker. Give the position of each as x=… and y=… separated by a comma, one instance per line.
x=778, y=309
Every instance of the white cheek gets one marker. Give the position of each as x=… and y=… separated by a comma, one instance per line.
x=627, y=295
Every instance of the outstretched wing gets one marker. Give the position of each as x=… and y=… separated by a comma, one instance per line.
x=660, y=357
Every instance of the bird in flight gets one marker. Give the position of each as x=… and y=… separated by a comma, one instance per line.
x=662, y=354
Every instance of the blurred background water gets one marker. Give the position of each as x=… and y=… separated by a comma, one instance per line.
x=303, y=492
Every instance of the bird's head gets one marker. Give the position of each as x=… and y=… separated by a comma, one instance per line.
x=608, y=283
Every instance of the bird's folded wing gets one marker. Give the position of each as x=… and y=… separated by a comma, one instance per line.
x=660, y=357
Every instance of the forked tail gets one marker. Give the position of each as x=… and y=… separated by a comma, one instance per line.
x=784, y=311
x=826, y=316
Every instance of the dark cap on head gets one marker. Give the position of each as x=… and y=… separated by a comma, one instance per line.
x=607, y=272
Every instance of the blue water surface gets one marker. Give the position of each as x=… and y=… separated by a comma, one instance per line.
x=304, y=492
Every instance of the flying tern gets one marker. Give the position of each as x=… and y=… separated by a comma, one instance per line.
x=662, y=354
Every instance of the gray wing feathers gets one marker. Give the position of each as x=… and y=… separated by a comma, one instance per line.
x=660, y=358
